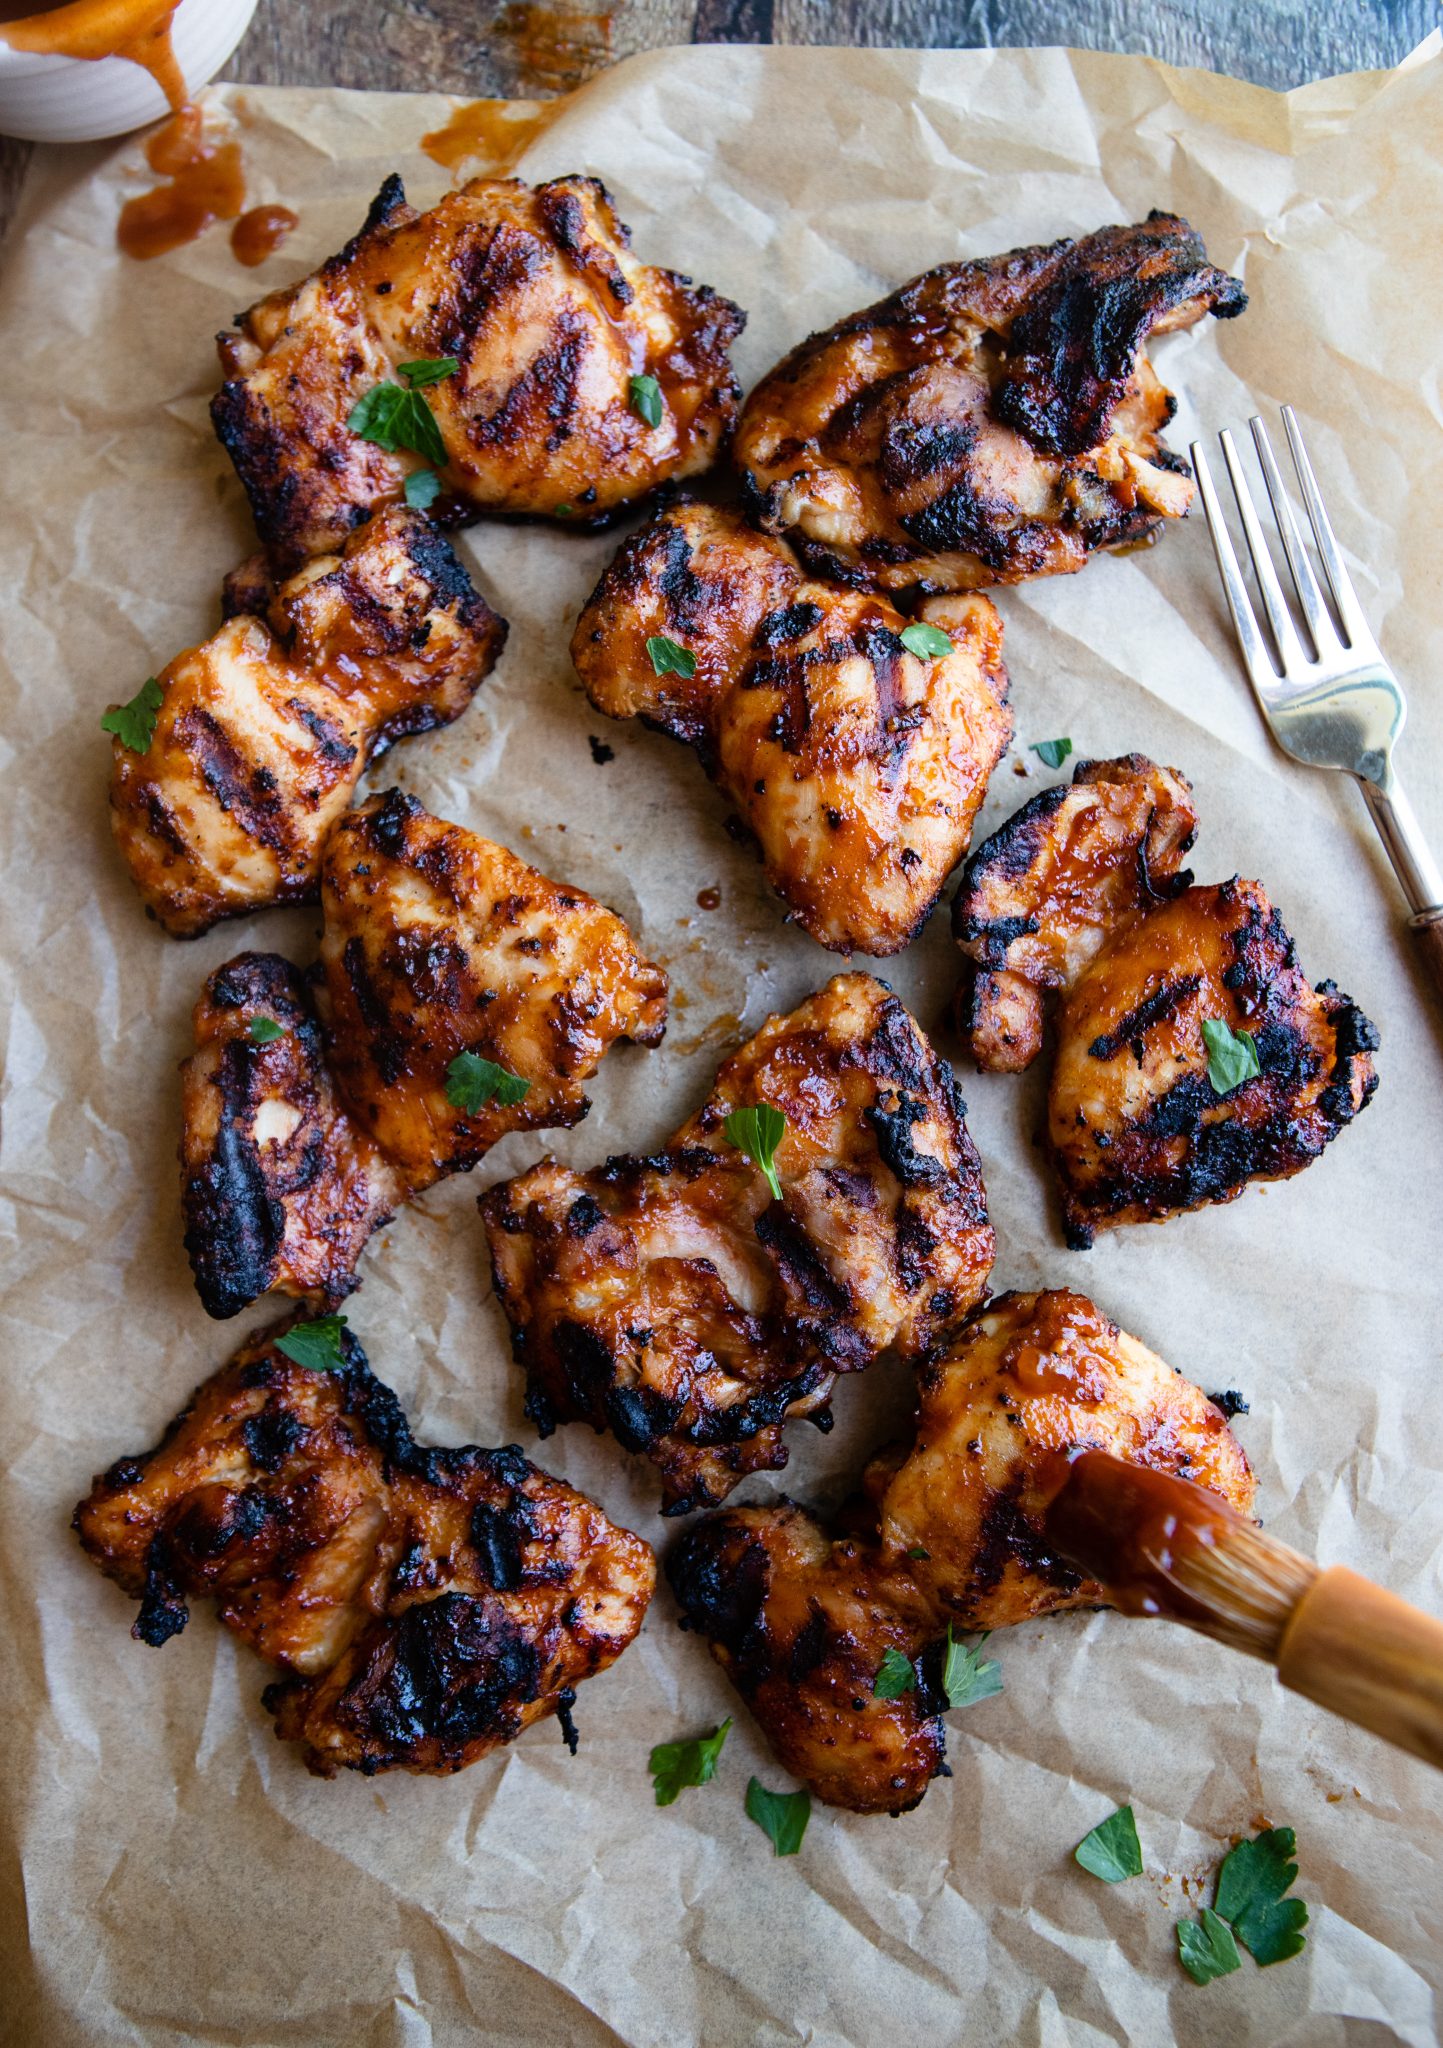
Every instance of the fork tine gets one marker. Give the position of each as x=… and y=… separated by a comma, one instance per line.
x=1285, y=635
x=1355, y=625
x=1256, y=659
x=1320, y=624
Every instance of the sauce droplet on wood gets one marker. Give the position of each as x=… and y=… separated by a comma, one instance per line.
x=205, y=183
x=260, y=232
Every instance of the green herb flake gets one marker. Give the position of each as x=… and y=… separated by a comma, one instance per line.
x=1232, y=1055
x=1052, y=753
x=643, y=395
x=1251, y=1884
x=265, y=1031
x=781, y=1816
x=928, y=642
x=675, y=1765
x=1112, y=1850
x=315, y=1345
x=918, y=1551
x=423, y=488
x=668, y=658
x=968, y=1676
x=134, y=723
x=1206, y=1948
x=393, y=418
x=895, y=1675
x=758, y=1132
x=428, y=370
x=564, y=511
x=472, y=1082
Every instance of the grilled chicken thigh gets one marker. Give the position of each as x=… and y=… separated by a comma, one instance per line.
x=990, y=421
x=437, y=944
x=424, y=1605
x=265, y=730
x=1082, y=892
x=949, y=1535
x=535, y=296
x=675, y=1301
x=858, y=765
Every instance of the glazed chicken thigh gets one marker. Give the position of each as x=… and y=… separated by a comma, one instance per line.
x=1081, y=892
x=675, y=1301
x=858, y=765
x=949, y=1535
x=438, y=944
x=265, y=730
x=990, y=421
x=424, y=1605
x=535, y=298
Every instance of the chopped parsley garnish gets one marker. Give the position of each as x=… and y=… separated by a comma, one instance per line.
x=265, y=1031
x=1232, y=1055
x=423, y=488
x=428, y=370
x=918, y=1551
x=668, y=658
x=1052, y=753
x=1112, y=1851
x=134, y=723
x=472, y=1082
x=644, y=397
x=968, y=1676
x=1251, y=1884
x=781, y=1816
x=564, y=511
x=895, y=1675
x=1206, y=1949
x=393, y=418
x=758, y=1132
x=315, y=1345
x=675, y=1765
x=930, y=642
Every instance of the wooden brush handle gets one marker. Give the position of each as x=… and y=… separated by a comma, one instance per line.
x=1367, y=1655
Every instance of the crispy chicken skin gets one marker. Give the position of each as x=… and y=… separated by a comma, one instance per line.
x=1082, y=892
x=949, y=1532
x=264, y=730
x=536, y=295
x=674, y=1301
x=424, y=1605
x=990, y=421
x=436, y=942
x=858, y=766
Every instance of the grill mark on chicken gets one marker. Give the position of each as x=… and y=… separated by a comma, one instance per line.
x=1153, y=1008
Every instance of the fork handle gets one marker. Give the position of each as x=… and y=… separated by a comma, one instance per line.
x=1415, y=867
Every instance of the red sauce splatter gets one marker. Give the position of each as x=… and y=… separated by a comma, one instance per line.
x=259, y=233
x=205, y=183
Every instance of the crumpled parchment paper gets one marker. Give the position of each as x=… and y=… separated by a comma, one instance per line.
x=170, y=1872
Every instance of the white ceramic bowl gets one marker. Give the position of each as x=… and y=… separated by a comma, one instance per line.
x=71, y=99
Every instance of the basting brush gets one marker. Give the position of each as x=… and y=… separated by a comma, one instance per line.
x=1165, y=1546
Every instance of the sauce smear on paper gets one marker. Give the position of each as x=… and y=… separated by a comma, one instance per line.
x=259, y=233
x=494, y=132
x=205, y=183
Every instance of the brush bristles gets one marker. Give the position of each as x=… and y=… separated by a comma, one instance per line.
x=1243, y=1588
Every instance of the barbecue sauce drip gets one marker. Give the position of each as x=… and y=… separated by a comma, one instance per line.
x=260, y=232
x=1130, y=1527
x=92, y=29
x=205, y=183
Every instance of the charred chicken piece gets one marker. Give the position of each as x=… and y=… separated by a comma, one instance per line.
x=676, y=1302
x=265, y=730
x=437, y=943
x=949, y=1532
x=1082, y=892
x=858, y=765
x=535, y=295
x=991, y=421
x=424, y=1605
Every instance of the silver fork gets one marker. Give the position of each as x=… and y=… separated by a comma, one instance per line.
x=1341, y=706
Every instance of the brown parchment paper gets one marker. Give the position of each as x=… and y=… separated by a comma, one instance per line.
x=170, y=1873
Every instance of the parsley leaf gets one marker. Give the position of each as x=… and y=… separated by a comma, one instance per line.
x=918, y=1551
x=393, y=418
x=1052, y=753
x=1112, y=1851
x=1206, y=1948
x=423, y=488
x=758, y=1132
x=967, y=1676
x=265, y=1031
x=472, y=1082
x=675, y=1765
x=895, y=1675
x=1251, y=1884
x=315, y=1345
x=428, y=370
x=1232, y=1055
x=564, y=511
x=643, y=395
x=134, y=723
x=930, y=642
x=670, y=659
x=781, y=1816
